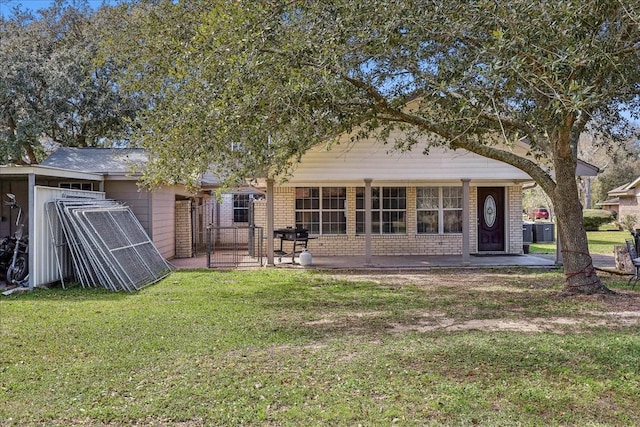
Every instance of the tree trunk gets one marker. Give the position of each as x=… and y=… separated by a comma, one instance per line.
x=587, y=193
x=580, y=276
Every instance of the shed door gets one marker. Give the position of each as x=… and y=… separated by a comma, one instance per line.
x=490, y=219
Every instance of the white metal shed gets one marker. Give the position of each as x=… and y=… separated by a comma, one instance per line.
x=29, y=180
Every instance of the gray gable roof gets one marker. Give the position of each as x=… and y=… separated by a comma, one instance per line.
x=108, y=161
x=97, y=160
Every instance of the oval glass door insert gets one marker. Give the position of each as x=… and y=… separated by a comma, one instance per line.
x=490, y=211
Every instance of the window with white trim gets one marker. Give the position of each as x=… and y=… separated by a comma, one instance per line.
x=321, y=210
x=439, y=210
x=388, y=210
x=241, y=203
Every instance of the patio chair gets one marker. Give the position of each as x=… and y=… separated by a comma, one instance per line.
x=635, y=260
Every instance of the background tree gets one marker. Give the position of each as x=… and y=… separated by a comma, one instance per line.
x=221, y=102
x=52, y=93
x=618, y=164
x=278, y=77
x=536, y=198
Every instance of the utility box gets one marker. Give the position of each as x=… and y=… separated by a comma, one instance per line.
x=543, y=233
x=527, y=232
x=636, y=239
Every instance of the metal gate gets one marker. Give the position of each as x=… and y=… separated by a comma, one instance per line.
x=207, y=214
x=202, y=216
x=232, y=247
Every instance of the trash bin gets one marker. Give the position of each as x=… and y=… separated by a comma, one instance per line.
x=543, y=233
x=527, y=232
x=636, y=238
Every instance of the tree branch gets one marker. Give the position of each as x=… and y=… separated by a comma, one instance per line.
x=536, y=172
x=386, y=112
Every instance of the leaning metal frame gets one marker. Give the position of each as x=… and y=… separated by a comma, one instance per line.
x=73, y=240
x=108, y=245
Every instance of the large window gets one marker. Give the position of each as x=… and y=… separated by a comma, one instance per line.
x=241, y=204
x=321, y=210
x=439, y=210
x=388, y=210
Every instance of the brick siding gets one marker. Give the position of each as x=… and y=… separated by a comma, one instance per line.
x=410, y=243
x=184, y=242
x=629, y=206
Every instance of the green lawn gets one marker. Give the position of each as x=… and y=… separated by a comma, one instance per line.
x=290, y=347
x=600, y=242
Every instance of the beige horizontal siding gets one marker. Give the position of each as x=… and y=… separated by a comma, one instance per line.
x=164, y=221
x=128, y=193
x=372, y=159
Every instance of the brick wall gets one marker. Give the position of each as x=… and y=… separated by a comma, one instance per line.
x=184, y=243
x=284, y=207
x=260, y=213
x=410, y=243
x=629, y=206
x=514, y=218
x=473, y=220
x=226, y=210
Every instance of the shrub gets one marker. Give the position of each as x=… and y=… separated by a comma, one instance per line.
x=629, y=222
x=594, y=218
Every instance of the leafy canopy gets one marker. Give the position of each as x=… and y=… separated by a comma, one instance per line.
x=278, y=77
x=52, y=92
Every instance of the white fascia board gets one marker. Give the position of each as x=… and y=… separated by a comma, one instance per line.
x=633, y=184
x=49, y=172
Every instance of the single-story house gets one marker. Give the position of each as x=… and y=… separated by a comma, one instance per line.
x=444, y=203
x=354, y=199
x=612, y=205
x=625, y=200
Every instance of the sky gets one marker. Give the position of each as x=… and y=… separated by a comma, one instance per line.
x=7, y=5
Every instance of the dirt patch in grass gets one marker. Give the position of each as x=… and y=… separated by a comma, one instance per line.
x=504, y=300
x=556, y=325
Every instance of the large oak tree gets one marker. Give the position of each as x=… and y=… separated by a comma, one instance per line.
x=276, y=77
x=53, y=91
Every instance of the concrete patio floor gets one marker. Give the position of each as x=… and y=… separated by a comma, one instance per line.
x=401, y=263
x=414, y=262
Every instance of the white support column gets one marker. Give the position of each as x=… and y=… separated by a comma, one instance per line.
x=270, y=220
x=32, y=226
x=367, y=221
x=465, y=222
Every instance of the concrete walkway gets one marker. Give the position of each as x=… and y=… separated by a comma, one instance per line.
x=415, y=262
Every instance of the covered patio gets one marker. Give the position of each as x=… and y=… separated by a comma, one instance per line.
x=413, y=262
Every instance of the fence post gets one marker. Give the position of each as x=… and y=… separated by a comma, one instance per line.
x=209, y=248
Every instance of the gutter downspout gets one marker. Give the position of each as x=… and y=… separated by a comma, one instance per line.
x=32, y=230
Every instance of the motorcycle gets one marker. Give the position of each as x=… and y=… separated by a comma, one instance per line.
x=7, y=246
x=18, y=268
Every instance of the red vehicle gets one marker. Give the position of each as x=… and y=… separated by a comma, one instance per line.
x=540, y=213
